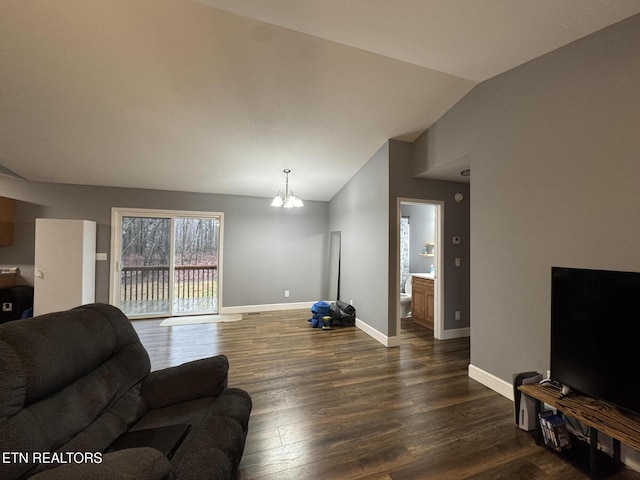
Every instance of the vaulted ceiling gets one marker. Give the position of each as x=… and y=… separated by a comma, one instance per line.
x=220, y=96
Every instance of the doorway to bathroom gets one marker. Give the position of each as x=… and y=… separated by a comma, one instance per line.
x=420, y=255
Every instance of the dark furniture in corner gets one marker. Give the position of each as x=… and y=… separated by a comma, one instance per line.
x=16, y=302
x=75, y=381
x=599, y=415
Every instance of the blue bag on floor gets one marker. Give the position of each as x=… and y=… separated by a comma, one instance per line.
x=319, y=310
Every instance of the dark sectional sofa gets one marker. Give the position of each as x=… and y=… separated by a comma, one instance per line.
x=72, y=382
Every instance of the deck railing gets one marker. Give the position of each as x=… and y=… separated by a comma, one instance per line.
x=152, y=283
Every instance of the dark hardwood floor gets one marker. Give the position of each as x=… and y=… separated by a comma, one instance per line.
x=338, y=405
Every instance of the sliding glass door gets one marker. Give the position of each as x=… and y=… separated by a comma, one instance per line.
x=196, y=265
x=165, y=263
x=145, y=270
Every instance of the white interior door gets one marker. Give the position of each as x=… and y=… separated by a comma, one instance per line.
x=64, y=270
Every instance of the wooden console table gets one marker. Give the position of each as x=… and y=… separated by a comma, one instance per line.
x=599, y=415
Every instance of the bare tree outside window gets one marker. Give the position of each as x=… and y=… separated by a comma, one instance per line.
x=146, y=264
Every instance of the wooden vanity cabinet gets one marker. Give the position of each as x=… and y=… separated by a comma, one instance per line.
x=7, y=212
x=423, y=302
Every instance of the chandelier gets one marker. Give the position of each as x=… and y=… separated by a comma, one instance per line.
x=287, y=198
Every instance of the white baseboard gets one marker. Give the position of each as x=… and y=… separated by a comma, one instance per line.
x=369, y=330
x=379, y=336
x=455, y=333
x=489, y=380
x=270, y=307
x=395, y=341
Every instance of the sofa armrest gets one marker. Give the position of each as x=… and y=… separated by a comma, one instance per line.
x=201, y=378
x=139, y=463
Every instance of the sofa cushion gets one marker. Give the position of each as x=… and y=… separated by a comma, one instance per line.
x=133, y=463
x=78, y=367
x=234, y=403
x=208, y=439
x=186, y=412
x=202, y=378
x=204, y=462
x=75, y=381
x=70, y=345
x=219, y=425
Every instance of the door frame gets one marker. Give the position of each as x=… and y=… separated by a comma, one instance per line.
x=116, y=245
x=438, y=321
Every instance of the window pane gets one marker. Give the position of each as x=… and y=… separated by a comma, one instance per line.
x=144, y=266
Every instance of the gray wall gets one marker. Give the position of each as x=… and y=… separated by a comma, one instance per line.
x=360, y=210
x=554, y=149
x=365, y=210
x=266, y=250
x=402, y=184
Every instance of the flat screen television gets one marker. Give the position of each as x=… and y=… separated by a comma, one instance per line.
x=595, y=334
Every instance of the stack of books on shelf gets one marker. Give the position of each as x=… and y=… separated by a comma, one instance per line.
x=554, y=431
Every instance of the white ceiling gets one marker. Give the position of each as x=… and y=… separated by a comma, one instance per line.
x=221, y=95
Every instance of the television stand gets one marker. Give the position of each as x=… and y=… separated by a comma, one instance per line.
x=599, y=415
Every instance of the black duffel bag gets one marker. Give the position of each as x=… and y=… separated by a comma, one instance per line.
x=342, y=314
x=346, y=308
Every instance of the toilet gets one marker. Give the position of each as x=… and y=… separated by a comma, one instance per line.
x=405, y=298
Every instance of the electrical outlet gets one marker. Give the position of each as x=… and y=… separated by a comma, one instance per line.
x=286, y=293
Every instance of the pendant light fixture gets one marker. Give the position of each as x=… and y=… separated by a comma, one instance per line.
x=287, y=198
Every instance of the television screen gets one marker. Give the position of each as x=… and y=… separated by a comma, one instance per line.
x=595, y=333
